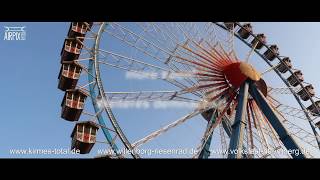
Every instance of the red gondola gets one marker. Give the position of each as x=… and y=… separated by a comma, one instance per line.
x=73, y=104
x=79, y=29
x=295, y=81
x=69, y=75
x=303, y=93
x=245, y=31
x=285, y=65
x=71, y=49
x=84, y=136
x=262, y=38
x=272, y=53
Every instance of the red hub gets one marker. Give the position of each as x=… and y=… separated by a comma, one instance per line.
x=236, y=73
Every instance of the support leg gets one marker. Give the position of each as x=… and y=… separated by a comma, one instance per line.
x=286, y=139
x=205, y=153
x=236, y=140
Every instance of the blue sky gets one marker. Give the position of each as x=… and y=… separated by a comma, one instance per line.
x=30, y=108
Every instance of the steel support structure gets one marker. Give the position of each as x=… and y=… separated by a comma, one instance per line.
x=236, y=139
x=205, y=153
x=294, y=150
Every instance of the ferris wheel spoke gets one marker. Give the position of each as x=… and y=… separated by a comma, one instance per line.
x=301, y=133
x=255, y=137
x=219, y=35
x=85, y=69
x=297, y=131
x=251, y=51
x=172, y=43
x=257, y=116
x=188, y=58
x=193, y=46
x=158, y=35
x=265, y=153
x=108, y=128
x=172, y=66
x=84, y=47
x=142, y=70
x=232, y=37
x=111, y=144
x=199, y=64
x=177, y=51
x=170, y=36
x=291, y=111
x=117, y=60
x=94, y=119
x=256, y=134
x=225, y=54
x=198, y=34
x=268, y=130
x=207, y=31
x=137, y=41
x=93, y=115
x=281, y=90
x=153, y=76
x=210, y=129
x=203, y=55
x=213, y=57
x=183, y=68
x=82, y=59
x=180, y=67
x=210, y=33
x=165, y=129
x=285, y=90
x=202, y=108
x=221, y=58
x=271, y=132
x=193, y=31
x=152, y=71
x=83, y=87
x=109, y=56
x=264, y=130
x=88, y=113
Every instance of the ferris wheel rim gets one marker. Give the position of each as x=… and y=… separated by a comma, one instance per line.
x=103, y=95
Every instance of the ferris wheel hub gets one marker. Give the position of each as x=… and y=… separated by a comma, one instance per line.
x=236, y=73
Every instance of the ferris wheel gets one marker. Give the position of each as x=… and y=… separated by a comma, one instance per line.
x=219, y=89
